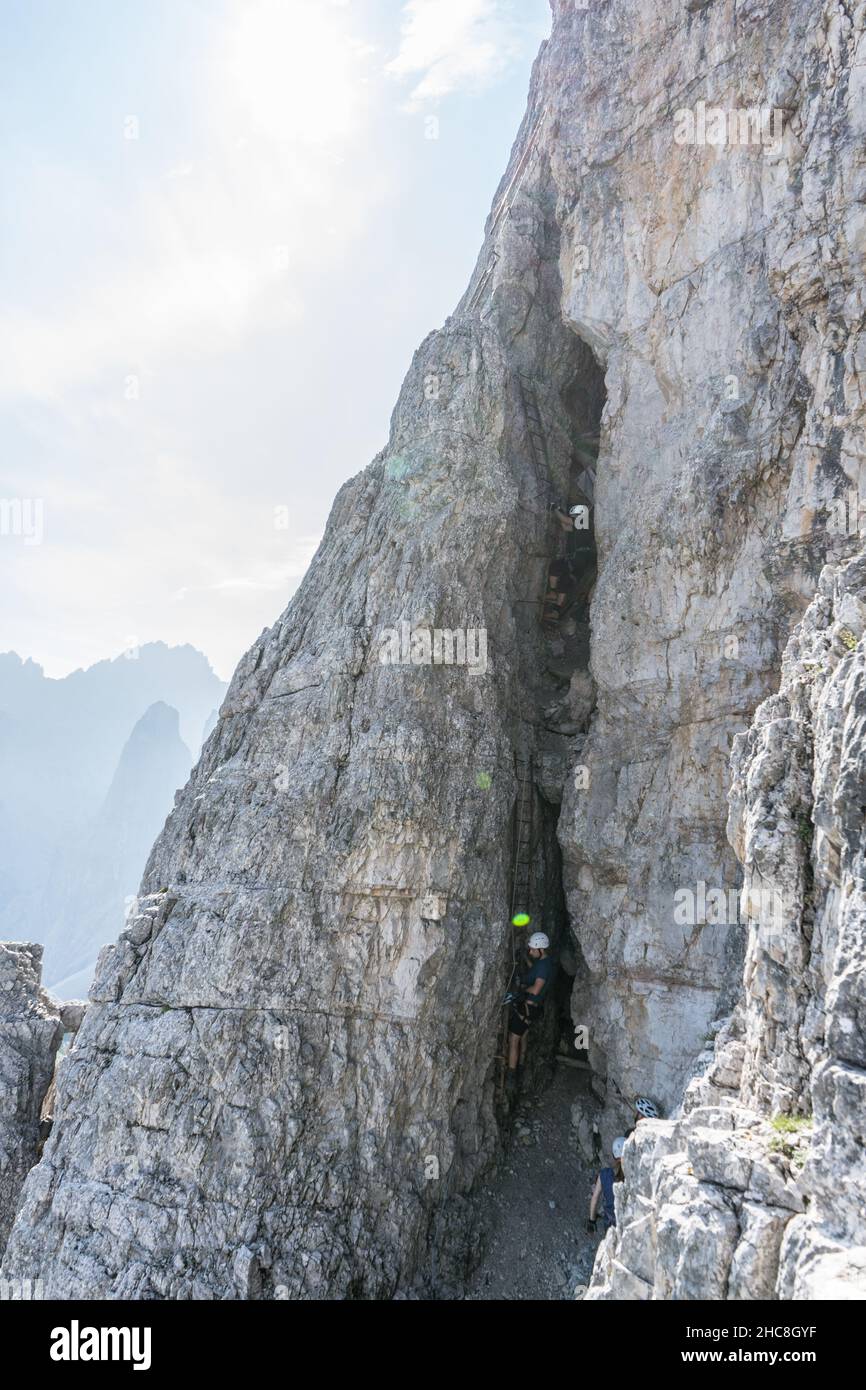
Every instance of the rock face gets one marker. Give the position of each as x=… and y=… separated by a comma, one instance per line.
x=31, y=1030
x=285, y=1084
x=721, y=285
x=757, y=1189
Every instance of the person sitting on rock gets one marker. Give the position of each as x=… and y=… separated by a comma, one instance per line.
x=603, y=1190
x=526, y=1008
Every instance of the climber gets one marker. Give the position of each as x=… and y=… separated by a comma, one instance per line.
x=527, y=1002
x=559, y=597
x=45, y=1128
x=644, y=1109
x=604, y=1189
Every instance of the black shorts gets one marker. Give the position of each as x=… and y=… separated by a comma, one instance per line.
x=521, y=1016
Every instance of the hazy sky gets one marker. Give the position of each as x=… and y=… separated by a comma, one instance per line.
x=224, y=230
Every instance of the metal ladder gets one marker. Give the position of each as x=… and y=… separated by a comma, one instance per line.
x=524, y=762
x=534, y=428
x=521, y=886
x=538, y=448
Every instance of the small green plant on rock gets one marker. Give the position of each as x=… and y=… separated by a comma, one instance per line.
x=804, y=829
x=847, y=638
x=791, y=1124
x=792, y=1136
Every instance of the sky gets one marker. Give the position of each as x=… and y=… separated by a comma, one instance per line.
x=225, y=225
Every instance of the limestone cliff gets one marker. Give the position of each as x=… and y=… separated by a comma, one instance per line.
x=721, y=284
x=285, y=1085
x=756, y=1189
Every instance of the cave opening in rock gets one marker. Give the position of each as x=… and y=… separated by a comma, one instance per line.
x=562, y=421
x=533, y=1234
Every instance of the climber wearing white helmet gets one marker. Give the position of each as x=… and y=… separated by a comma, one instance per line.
x=526, y=1008
x=604, y=1188
x=575, y=519
x=646, y=1109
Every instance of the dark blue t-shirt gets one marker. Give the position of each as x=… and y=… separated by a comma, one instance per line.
x=539, y=970
x=607, y=1176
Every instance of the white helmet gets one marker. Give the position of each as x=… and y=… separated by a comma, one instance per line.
x=646, y=1108
x=618, y=1146
x=538, y=941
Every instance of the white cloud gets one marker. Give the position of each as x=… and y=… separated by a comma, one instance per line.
x=448, y=45
x=264, y=578
x=196, y=302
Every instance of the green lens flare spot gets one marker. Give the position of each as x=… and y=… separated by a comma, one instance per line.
x=521, y=919
x=397, y=467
